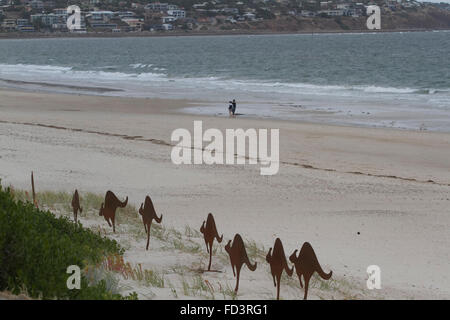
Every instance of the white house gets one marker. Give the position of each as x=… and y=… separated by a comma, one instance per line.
x=332, y=13
x=157, y=6
x=101, y=15
x=167, y=26
x=177, y=13
x=249, y=16
x=168, y=19
x=199, y=5
x=307, y=13
x=343, y=6
x=36, y=4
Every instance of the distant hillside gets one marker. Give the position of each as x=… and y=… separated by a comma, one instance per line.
x=219, y=17
x=427, y=18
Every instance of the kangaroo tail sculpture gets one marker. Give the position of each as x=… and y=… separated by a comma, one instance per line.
x=315, y=262
x=252, y=267
x=158, y=219
x=212, y=222
x=123, y=204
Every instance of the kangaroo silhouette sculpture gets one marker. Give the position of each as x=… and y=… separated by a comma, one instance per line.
x=238, y=256
x=306, y=264
x=147, y=211
x=109, y=207
x=278, y=263
x=76, y=205
x=209, y=233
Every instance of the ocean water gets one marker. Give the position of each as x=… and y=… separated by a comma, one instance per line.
x=376, y=79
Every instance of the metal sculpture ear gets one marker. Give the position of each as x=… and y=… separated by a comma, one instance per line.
x=306, y=264
x=148, y=213
x=238, y=256
x=278, y=263
x=108, y=211
x=209, y=231
x=76, y=205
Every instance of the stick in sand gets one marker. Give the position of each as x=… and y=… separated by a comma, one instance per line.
x=33, y=192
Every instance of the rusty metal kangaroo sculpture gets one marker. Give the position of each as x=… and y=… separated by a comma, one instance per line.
x=209, y=233
x=147, y=211
x=306, y=264
x=278, y=263
x=76, y=205
x=238, y=256
x=109, y=207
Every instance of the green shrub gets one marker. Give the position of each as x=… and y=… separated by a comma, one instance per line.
x=36, y=248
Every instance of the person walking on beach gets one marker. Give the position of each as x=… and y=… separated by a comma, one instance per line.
x=232, y=107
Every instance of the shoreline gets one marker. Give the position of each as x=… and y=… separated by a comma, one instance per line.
x=179, y=106
x=67, y=35
x=189, y=107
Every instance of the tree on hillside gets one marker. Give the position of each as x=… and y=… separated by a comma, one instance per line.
x=38, y=24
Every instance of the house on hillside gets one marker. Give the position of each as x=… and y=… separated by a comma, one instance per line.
x=331, y=13
x=9, y=24
x=134, y=23
x=176, y=13
x=249, y=16
x=168, y=19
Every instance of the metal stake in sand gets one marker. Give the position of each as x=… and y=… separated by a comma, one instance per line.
x=32, y=190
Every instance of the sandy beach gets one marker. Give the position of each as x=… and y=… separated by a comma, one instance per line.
x=360, y=196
